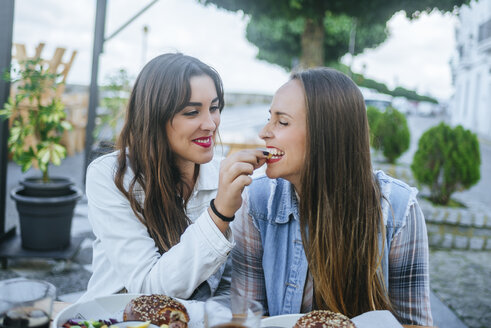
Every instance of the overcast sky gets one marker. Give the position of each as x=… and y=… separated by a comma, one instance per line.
x=415, y=56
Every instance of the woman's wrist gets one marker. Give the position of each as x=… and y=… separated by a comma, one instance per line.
x=219, y=214
x=223, y=226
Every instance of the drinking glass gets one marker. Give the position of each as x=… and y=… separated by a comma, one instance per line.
x=232, y=312
x=26, y=303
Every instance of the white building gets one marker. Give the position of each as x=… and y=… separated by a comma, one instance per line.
x=471, y=69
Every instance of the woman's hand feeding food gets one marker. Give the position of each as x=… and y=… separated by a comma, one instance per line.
x=235, y=173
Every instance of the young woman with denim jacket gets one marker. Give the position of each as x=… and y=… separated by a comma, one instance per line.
x=322, y=230
x=160, y=205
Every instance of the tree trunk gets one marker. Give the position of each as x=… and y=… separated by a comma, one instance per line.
x=312, y=44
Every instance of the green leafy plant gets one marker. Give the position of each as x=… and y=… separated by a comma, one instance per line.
x=37, y=117
x=113, y=106
x=374, y=115
x=392, y=134
x=447, y=160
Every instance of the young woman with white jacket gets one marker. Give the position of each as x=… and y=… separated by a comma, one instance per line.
x=160, y=206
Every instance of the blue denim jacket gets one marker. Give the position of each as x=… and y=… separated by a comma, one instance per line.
x=274, y=209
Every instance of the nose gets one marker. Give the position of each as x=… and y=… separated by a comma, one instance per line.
x=265, y=132
x=210, y=121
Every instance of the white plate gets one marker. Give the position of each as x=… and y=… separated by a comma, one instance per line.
x=372, y=319
x=112, y=306
x=284, y=321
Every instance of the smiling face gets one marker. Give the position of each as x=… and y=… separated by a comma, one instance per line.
x=191, y=132
x=286, y=133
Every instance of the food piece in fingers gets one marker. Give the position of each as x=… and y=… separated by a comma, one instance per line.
x=266, y=152
x=158, y=309
x=324, y=319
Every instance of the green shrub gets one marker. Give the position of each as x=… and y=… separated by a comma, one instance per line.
x=392, y=134
x=447, y=160
x=374, y=115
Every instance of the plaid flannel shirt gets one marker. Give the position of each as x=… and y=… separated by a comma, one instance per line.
x=408, y=276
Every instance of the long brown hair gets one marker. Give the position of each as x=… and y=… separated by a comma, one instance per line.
x=162, y=89
x=340, y=208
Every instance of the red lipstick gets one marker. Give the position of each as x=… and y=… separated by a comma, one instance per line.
x=204, y=142
x=274, y=155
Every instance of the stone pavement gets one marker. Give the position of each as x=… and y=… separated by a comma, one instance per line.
x=462, y=280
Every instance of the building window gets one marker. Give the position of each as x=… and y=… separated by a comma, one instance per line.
x=476, y=110
x=484, y=31
x=466, y=99
x=460, y=49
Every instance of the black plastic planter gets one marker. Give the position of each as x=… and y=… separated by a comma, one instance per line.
x=46, y=219
x=54, y=187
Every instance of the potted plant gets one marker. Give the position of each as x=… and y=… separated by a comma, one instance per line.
x=37, y=121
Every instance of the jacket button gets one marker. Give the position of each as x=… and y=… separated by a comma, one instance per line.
x=291, y=285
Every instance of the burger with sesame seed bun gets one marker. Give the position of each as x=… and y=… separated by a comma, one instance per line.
x=324, y=319
x=158, y=309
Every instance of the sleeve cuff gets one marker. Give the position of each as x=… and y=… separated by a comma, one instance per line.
x=220, y=243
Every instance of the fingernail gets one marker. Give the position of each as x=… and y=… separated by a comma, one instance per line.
x=265, y=153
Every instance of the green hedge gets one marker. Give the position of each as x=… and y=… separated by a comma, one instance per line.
x=374, y=115
x=447, y=160
x=390, y=133
x=365, y=82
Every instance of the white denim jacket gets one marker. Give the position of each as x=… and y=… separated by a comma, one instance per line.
x=126, y=257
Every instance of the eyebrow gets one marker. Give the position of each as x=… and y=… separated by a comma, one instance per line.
x=198, y=104
x=278, y=113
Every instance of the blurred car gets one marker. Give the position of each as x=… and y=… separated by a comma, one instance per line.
x=376, y=99
x=404, y=105
x=426, y=108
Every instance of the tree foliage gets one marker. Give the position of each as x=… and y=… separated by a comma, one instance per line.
x=397, y=92
x=308, y=18
x=279, y=39
x=410, y=94
x=369, y=11
x=362, y=81
x=447, y=160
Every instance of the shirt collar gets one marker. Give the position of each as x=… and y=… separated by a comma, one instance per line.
x=208, y=176
x=282, y=203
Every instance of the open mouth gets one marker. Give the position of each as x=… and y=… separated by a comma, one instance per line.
x=204, y=142
x=274, y=155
